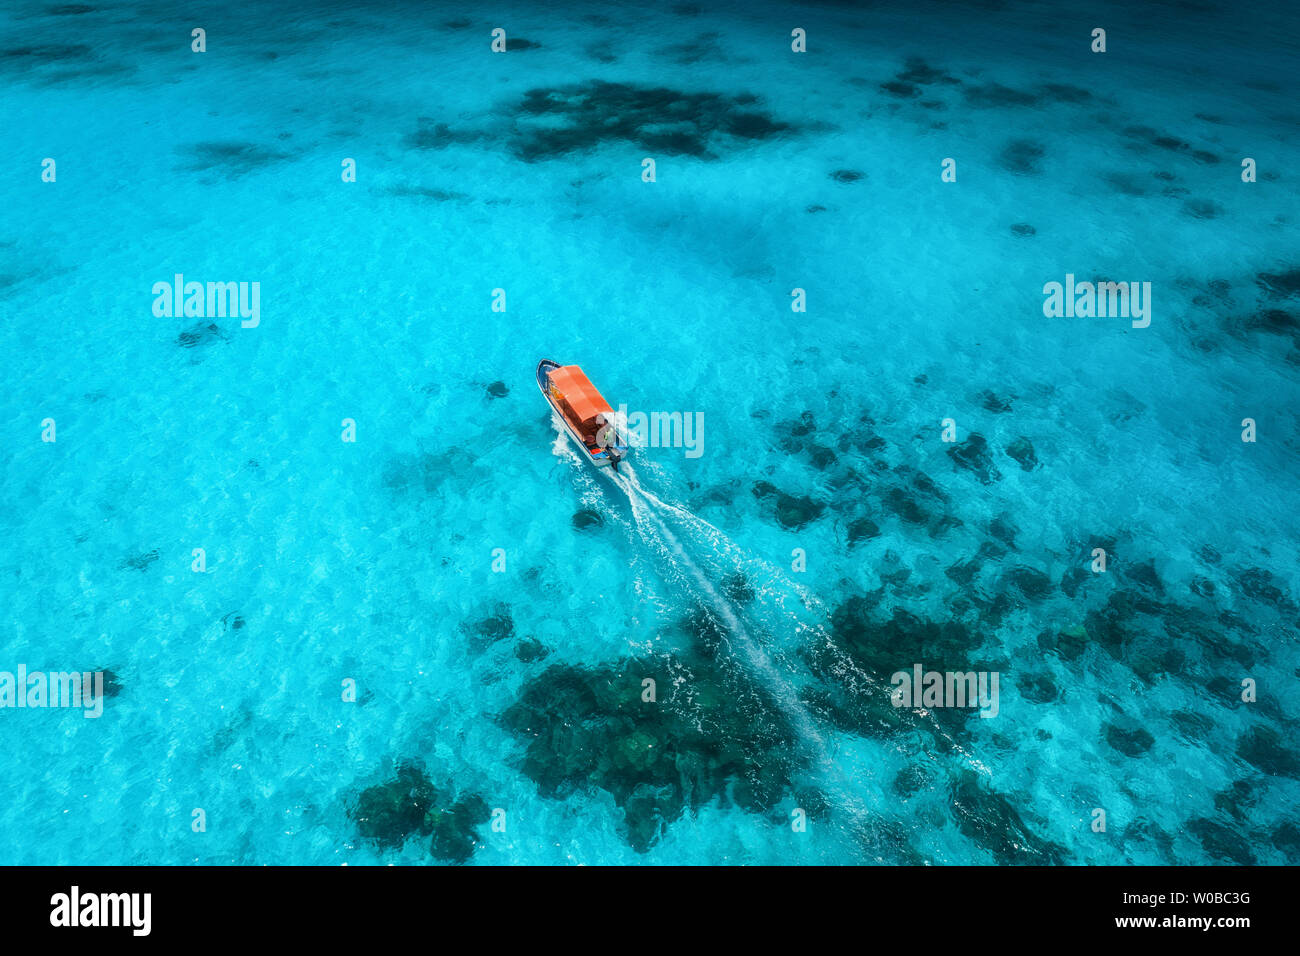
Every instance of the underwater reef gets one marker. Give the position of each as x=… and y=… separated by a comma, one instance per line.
x=712, y=737
x=1137, y=623
x=551, y=122
x=409, y=805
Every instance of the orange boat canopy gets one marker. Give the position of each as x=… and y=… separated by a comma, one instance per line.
x=577, y=395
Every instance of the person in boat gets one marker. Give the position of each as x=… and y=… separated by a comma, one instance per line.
x=606, y=438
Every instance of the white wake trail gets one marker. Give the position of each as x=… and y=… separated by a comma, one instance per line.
x=759, y=662
x=648, y=512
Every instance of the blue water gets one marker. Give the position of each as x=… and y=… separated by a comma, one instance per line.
x=374, y=560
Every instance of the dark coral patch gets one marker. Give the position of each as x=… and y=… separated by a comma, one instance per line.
x=453, y=837
x=139, y=562
x=905, y=504
x=1144, y=574
x=862, y=436
x=795, y=511
x=820, y=455
x=433, y=135
x=793, y=435
x=992, y=402
x=1286, y=838
x=1280, y=284
x=712, y=737
x=899, y=89
x=1266, y=749
x=47, y=54
x=1069, y=643
x=973, y=455
x=111, y=683
x=555, y=121
x=790, y=511
x=498, y=625
x=963, y=572
x=1131, y=741
x=750, y=125
x=1022, y=450
x=1039, y=687
x=879, y=646
x=1236, y=799
x=944, y=524
x=388, y=813
x=1202, y=209
x=1273, y=322
x=923, y=483
x=1021, y=156
x=992, y=821
x=1192, y=725
x=1073, y=578
x=1033, y=584
x=1259, y=584
x=202, y=333
x=862, y=529
x=233, y=157
x=1221, y=842
x=530, y=649
x=1004, y=531
x=918, y=71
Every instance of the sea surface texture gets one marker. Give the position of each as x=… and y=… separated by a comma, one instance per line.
x=356, y=597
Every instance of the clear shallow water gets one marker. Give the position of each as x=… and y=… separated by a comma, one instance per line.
x=373, y=560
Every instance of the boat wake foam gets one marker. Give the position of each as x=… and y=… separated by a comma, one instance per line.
x=652, y=517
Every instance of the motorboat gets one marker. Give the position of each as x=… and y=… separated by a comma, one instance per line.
x=586, y=415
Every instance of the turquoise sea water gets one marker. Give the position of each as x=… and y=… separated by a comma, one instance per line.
x=519, y=690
